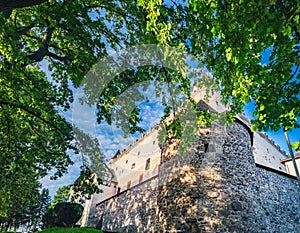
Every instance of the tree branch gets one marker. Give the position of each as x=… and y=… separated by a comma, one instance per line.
x=285, y=83
x=57, y=57
x=9, y=4
x=38, y=55
x=6, y=13
x=24, y=30
x=287, y=16
x=33, y=114
x=8, y=130
x=163, y=68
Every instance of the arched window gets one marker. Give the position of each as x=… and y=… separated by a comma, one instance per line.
x=133, y=166
x=147, y=167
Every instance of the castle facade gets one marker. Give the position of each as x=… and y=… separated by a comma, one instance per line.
x=230, y=180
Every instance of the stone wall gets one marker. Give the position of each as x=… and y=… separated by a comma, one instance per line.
x=207, y=190
x=215, y=187
x=133, y=210
x=276, y=201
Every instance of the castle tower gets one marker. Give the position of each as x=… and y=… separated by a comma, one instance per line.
x=207, y=190
x=230, y=180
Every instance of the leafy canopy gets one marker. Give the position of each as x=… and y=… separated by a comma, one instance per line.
x=44, y=47
x=251, y=47
x=63, y=214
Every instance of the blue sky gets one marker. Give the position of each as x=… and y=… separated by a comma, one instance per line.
x=111, y=138
x=278, y=136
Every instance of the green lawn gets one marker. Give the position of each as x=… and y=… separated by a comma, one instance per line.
x=70, y=230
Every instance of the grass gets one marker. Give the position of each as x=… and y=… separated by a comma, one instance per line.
x=71, y=230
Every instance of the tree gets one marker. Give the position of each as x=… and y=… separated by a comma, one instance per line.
x=244, y=55
x=62, y=195
x=250, y=61
x=296, y=146
x=63, y=214
x=30, y=121
x=251, y=47
x=67, y=37
x=22, y=203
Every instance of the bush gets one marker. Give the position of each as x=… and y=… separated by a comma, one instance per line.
x=63, y=214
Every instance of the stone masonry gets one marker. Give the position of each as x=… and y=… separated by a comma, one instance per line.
x=133, y=210
x=215, y=187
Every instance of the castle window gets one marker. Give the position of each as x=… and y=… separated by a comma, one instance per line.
x=141, y=178
x=126, y=161
x=205, y=147
x=209, y=147
x=118, y=190
x=128, y=184
x=139, y=153
x=133, y=166
x=147, y=167
x=153, y=142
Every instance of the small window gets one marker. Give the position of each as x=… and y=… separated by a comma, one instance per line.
x=133, y=166
x=205, y=147
x=153, y=142
x=139, y=153
x=126, y=161
x=209, y=147
x=129, y=184
x=118, y=190
x=141, y=178
x=147, y=167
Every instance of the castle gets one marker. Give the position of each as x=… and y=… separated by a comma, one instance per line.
x=231, y=180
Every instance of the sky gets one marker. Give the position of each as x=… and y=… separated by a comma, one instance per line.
x=111, y=138
x=278, y=137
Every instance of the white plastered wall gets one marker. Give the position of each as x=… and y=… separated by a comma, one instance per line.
x=266, y=153
x=146, y=148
